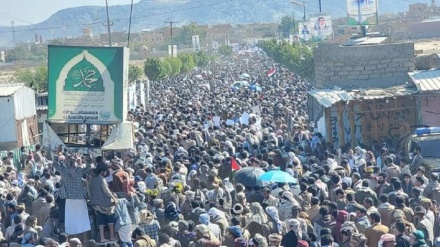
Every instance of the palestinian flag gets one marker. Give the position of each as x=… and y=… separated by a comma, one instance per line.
x=234, y=164
x=271, y=71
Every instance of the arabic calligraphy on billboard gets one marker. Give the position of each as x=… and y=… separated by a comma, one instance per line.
x=87, y=84
x=362, y=12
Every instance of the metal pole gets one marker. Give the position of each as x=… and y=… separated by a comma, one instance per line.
x=108, y=24
x=304, y=2
x=171, y=34
x=320, y=6
x=129, y=24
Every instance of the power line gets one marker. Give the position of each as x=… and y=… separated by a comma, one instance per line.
x=121, y=19
x=8, y=16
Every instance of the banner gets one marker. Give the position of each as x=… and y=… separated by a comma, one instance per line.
x=87, y=84
x=132, y=97
x=362, y=12
x=318, y=28
x=142, y=93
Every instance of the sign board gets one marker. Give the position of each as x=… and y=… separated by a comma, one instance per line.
x=172, y=50
x=316, y=29
x=87, y=84
x=362, y=12
x=196, y=43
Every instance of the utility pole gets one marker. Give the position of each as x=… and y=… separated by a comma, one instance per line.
x=320, y=6
x=108, y=25
x=13, y=32
x=171, y=34
x=303, y=4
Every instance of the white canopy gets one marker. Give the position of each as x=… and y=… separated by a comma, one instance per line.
x=121, y=138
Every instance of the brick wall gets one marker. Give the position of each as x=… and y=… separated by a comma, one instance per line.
x=363, y=66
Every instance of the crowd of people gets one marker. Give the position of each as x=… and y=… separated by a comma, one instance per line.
x=177, y=186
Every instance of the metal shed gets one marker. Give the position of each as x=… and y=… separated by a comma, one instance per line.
x=18, y=116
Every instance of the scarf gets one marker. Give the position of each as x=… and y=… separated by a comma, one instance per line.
x=273, y=213
x=258, y=214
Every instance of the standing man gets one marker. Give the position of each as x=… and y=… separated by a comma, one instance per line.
x=417, y=160
x=76, y=215
x=375, y=231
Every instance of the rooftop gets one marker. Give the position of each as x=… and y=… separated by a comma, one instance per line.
x=427, y=80
x=329, y=97
x=9, y=89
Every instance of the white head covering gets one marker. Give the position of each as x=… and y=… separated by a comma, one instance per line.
x=273, y=213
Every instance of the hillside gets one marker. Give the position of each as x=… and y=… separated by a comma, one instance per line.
x=152, y=14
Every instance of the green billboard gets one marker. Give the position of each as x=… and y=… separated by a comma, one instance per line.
x=87, y=84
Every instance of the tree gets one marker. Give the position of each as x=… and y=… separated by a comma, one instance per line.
x=175, y=65
x=134, y=73
x=225, y=50
x=152, y=69
x=297, y=57
x=201, y=59
x=287, y=26
x=187, y=62
x=186, y=32
x=36, y=79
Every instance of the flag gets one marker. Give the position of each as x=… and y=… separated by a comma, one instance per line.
x=271, y=71
x=234, y=165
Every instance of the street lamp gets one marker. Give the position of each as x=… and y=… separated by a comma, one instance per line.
x=301, y=4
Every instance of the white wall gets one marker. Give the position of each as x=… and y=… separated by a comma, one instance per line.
x=24, y=100
x=7, y=120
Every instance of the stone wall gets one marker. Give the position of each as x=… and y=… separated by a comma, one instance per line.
x=366, y=66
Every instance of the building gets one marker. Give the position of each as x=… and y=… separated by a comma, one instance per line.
x=18, y=121
x=428, y=98
x=367, y=116
x=42, y=102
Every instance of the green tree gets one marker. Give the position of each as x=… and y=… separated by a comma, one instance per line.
x=175, y=65
x=165, y=69
x=297, y=57
x=187, y=62
x=186, y=32
x=134, y=73
x=152, y=69
x=36, y=79
x=201, y=59
x=225, y=50
x=287, y=26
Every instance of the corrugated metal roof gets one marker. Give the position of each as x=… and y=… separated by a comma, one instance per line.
x=328, y=97
x=9, y=89
x=428, y=80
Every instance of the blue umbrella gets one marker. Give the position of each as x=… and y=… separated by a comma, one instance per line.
x=277, y=176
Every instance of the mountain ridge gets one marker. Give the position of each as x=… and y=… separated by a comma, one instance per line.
x=151, y=14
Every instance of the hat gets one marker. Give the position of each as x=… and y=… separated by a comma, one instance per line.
x=388, y=237
x=274, y=237
x=174, y=224
x=260, y=240
x=75, y=241
x=51, y=241
x=237, y=209
x=419, y=236
x=236, y=231
x=203, y=229
x=204, y=219
x=157, y=202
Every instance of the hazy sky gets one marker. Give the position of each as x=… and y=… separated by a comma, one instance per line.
x=24, y=12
